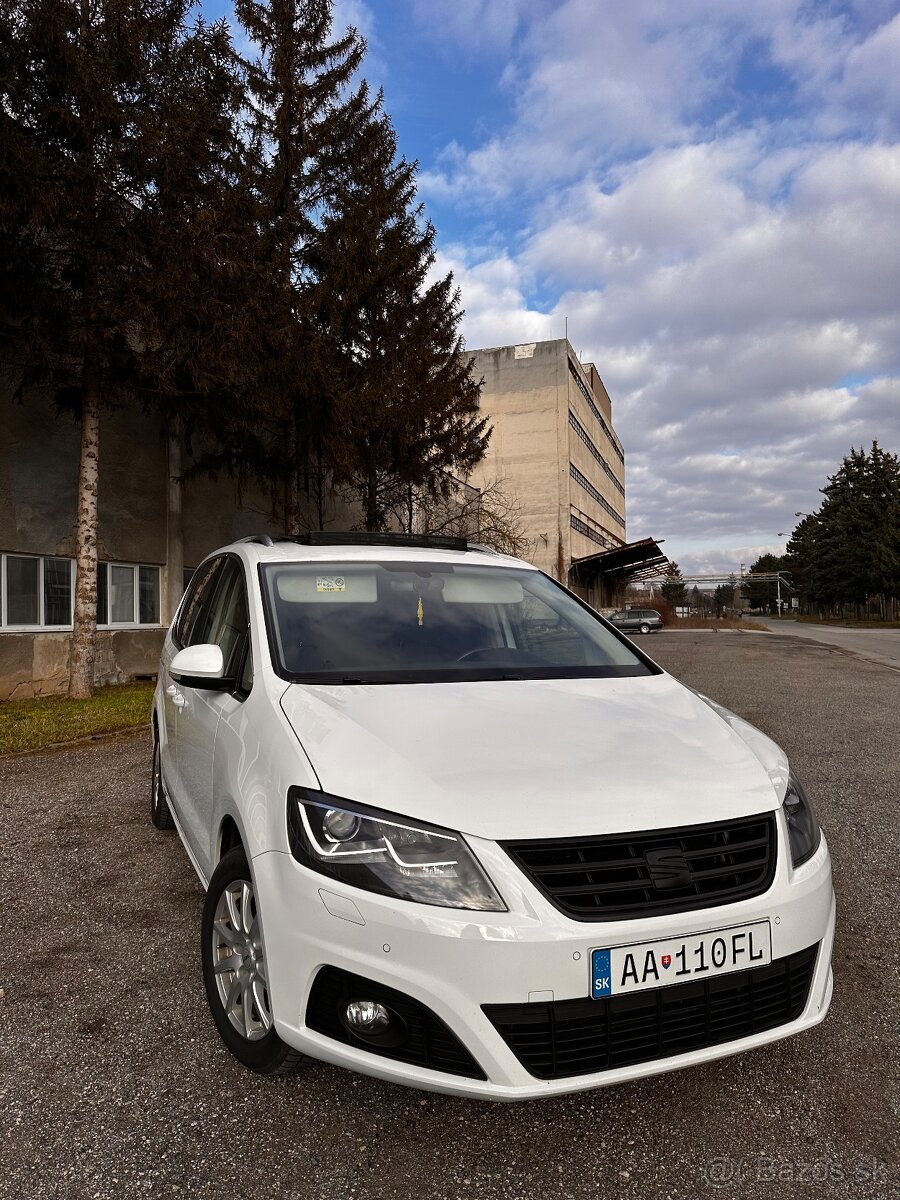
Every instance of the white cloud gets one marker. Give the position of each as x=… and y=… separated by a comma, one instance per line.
x=728, y=327
x=481, y=25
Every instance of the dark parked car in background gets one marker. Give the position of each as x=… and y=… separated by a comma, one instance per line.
x=644, y=620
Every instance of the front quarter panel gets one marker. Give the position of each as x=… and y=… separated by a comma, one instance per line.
x=258, y=757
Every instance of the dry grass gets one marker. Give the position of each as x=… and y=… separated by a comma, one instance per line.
x=717, y=623
x=33, y=724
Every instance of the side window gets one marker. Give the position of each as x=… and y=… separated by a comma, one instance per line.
x=193, y=620
x=228, y=617
x=246, y=681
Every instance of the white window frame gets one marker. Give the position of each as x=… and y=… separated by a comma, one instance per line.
x=40, y=627
x=134, y=623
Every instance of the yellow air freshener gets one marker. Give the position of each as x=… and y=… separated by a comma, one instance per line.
x=421, y=612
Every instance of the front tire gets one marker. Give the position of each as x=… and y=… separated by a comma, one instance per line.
x=235, y=971
x=160, y=816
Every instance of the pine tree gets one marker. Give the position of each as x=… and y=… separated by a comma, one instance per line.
x=857, y=547
x=763, y=594
x=674, y=589
x=406, y=401
x=800, y=561
x=303, y=107
x=104, y=108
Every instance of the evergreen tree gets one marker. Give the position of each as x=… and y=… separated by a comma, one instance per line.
x=406, y=401
x=303, y=108
x=725, y=595
x=761, y=594
x=673, y=588
x=800, y=561
x=857, y=545
x=104, y=112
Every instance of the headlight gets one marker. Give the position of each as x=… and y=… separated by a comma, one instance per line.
x=385, y=853
x=803, y=828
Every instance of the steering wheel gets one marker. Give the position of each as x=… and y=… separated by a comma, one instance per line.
x=478, y=652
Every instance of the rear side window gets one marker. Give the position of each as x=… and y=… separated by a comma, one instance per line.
x=194, y=618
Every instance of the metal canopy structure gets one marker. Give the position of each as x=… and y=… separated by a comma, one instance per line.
x=738, y=579
x=611, y=568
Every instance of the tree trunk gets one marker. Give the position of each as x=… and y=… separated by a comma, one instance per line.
x=84, y=633
x=292, y=486
x=174, y=525
x=373, y=517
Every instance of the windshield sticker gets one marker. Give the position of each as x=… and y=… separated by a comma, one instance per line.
x=331, y=583
x=420, y=612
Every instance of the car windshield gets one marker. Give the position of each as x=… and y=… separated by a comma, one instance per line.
x=412, y=622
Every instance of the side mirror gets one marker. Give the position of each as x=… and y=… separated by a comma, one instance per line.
x=201, y=667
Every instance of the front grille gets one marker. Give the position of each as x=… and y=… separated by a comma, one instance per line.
x=580, y=1037
x=426, y=1041
x=652, y=872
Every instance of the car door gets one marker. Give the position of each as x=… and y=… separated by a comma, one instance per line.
x=203, y=708
x=188, y=629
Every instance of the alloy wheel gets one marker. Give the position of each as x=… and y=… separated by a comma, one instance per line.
x=239, y=963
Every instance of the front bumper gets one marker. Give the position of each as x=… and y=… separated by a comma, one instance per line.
x=453, y=962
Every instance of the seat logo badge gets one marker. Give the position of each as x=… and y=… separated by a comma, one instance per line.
x=668, y=868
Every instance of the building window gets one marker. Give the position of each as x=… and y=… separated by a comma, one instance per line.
x=594, y=534
x=148, y=595
x=581, y=432
x=22, y=590
x=121, y=595
x=127, y=594
x=582, y=479
x=582, y=387
x=38, y=593
x=57, y=591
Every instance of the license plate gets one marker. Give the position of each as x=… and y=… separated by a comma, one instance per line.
x=646, y=965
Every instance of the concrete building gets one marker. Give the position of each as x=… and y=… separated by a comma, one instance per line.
x=555, y=448
x=553, y=444
x=156, y=523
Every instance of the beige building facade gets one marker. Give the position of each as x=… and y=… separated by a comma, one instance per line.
x=554, y=447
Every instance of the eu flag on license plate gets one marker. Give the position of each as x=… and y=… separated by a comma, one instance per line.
x=601, y=974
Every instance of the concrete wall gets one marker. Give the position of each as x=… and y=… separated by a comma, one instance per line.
x=37, y=664
x=39, y=475
x=39, y=453
x=582, y=504
x=521, y=396
x=527, y=394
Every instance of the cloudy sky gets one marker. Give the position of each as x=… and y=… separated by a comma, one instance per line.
x=707, y=193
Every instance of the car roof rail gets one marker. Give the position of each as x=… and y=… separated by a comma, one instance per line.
x=261, y=539
x=484, y=549
x=418, y=541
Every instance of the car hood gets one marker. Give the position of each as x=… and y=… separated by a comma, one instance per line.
x=542, y=758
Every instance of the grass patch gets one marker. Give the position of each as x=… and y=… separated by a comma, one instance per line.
x=32, y=724
x=717, y=623
x=849, y=622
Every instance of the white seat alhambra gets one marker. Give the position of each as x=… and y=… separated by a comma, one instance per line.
x=458, y=832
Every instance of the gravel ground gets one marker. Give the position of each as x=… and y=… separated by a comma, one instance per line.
x=113, y=1082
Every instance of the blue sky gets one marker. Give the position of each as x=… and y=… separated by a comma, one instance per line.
x=708, y=192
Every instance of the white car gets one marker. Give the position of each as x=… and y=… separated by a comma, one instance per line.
x=458, y=832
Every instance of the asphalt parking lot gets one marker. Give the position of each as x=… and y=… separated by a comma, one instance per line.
x=113, y=1083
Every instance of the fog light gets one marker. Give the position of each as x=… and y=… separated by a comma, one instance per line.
x=367, y=1016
